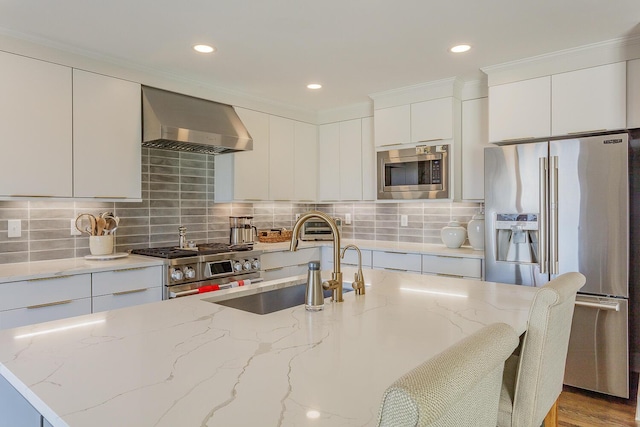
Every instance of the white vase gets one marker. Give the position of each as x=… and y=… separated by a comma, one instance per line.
x=453, y=235
x=475, y=228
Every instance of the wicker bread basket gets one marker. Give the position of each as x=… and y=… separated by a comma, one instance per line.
x=274, y=236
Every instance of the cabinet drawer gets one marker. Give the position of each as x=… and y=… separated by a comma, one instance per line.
x=397, y=261
x=128, y=279
x=28, y=293
x=44, y=313
x=452, y=266
x=126, y=298
x=287, y=258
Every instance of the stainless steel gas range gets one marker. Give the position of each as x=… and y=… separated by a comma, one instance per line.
x=208, y=267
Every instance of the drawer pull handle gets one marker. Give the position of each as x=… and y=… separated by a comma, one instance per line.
x=304, y=264
x=449, y=256
x=49, y=304
x=274, y=269
x=135, y=291
x=128, y=269
x=40, y=279
x=517, y=139
x=395, y=269
x=396, y=253
x=449, y=275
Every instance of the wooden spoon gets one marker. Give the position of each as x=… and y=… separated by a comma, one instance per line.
x=101, y=223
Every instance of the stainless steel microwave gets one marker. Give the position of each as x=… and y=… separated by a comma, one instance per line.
x=414, y=173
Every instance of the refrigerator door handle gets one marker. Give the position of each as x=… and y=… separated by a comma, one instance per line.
x=542, y=226
x=612, y=306
x=553, y=214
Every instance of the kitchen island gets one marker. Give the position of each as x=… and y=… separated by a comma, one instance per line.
x=191, y=362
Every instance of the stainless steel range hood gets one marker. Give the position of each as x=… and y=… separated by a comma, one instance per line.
x=172, y=121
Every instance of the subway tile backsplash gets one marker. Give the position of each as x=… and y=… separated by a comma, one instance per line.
x=178, y=189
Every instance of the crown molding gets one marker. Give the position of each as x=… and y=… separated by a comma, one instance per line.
x=348, y=112
x=592, y=55
x=449, y=87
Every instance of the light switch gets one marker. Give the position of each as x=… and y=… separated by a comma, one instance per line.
x=14, y=228
x=404, y=220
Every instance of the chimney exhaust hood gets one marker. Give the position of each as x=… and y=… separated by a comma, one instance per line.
x=172, y=121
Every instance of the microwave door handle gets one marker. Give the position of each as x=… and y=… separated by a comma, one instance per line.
x=542, y=220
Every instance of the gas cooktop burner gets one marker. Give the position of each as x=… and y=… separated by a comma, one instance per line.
x=203, y=249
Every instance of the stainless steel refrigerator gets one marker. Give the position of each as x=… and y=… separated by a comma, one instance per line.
x=559, y=206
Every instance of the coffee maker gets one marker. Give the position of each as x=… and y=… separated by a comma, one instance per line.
x=241, y=230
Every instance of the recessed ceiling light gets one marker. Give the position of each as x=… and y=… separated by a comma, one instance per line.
x=203, y=48
x=460, y=48
x=314, y=86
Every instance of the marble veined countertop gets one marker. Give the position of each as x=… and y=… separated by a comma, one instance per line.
x=190, y=362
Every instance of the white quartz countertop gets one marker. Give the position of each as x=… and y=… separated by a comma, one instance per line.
x=190, y=362
x=64, y=267
x=379, y=245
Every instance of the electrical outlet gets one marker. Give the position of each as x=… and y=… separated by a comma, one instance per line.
x=404, y=220
x=14, y=228
x=297, y=217
x=73, y=229
x=347, y=218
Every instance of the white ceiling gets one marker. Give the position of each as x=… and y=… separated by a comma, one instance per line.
x=272, y=48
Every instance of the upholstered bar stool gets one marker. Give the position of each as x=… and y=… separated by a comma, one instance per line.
x=459, y=387
x=533, y=375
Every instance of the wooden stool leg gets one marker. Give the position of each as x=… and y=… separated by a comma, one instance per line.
x=551, y=420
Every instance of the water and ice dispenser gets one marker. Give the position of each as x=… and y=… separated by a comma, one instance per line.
x=517, y=238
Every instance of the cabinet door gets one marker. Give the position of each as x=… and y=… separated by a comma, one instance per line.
x=15, y=410
x=44, y=291
x=633, y=94
x=351, y=160
x=475, y=137
x=126, y=280
x=520, y=110
x=432, y=120
x=452, y=266
x=126, y=299
x=398, y=261
x=369, y=170
x=251, y=168
x=392, y=125
x=281, y=158
x=107, y=129
x=593, y=99
x=306, y=162
x=329, y=162
x=60, y=309
x=35, y=116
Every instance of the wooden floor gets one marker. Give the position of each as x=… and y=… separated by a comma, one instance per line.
x=579, y=408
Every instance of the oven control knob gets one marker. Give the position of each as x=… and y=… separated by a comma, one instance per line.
x=237, y=266
x=255, y=264
x=246, y=265
x=176, y=274
x=189, y=273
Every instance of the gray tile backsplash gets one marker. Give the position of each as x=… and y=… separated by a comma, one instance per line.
x=178, y=188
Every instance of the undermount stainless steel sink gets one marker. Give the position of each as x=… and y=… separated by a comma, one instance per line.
x=275, y=300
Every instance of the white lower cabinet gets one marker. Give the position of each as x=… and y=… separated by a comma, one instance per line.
x=444, y=265
x=277, y=265
x=15, y=410
x=397, y=261
x=126, y=287
x=44, y=299
x=350, y=258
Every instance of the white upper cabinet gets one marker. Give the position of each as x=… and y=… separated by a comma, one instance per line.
x=306, y=162
x=475, y=137
x=520, y=110
x=107, y=129
x=369, y=171
x=432, y=120
x=251, y=168
x=351, y=160
x=633, y=94
x=36, y=120
x=592, y=99
x=281, y=158
x=329, y=162
x=340, y=161
x=392, y=125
